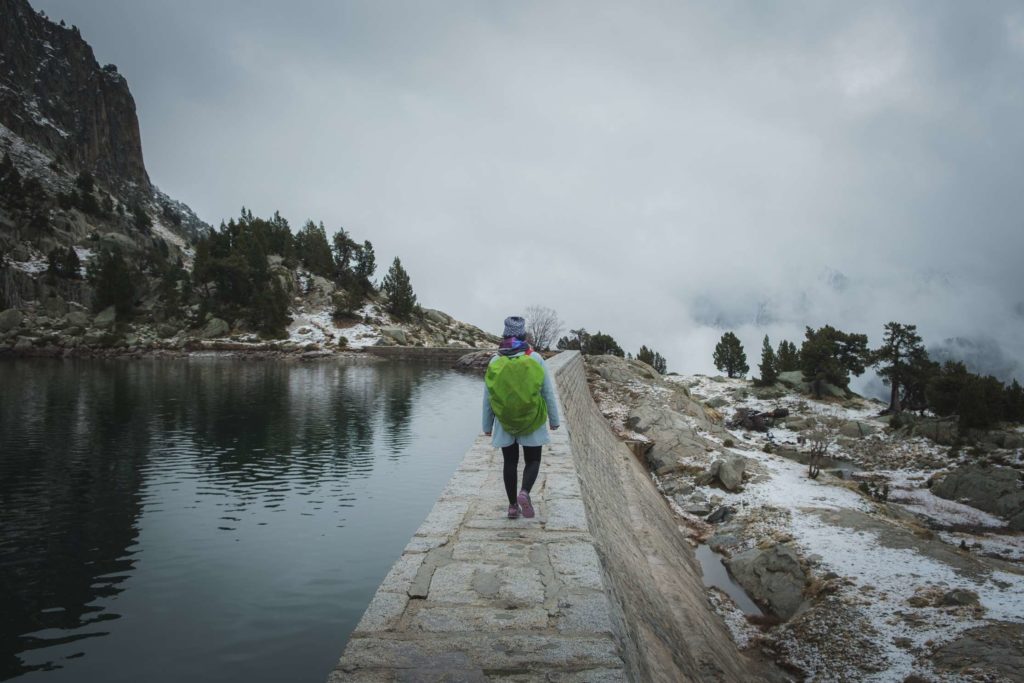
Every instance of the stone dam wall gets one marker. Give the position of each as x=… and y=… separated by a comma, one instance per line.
x=664, y=626
x=600, y=586
x=438, y=354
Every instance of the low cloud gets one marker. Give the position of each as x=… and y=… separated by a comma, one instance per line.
x=656, y=171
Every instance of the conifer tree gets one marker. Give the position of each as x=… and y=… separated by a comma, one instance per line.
x=64, y=263
x=1014, y=402
x=313, y=250
x=729, y=356
x=141, y=219
x=787, y=359
x=344, y=252
x=366, y=264
x=943, y=392
x=114, y=282
x=768, y=369
x=900, y=346
x=398, y=289
x=652, y=358
x=601, y=344
x=576, y=340
x=830, y=355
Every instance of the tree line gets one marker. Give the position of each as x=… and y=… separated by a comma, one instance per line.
x=243, y=271
x=830, y=356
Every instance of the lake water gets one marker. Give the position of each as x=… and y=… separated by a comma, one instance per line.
x=207, y=519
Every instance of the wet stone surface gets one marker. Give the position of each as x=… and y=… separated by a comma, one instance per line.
x=476, y=594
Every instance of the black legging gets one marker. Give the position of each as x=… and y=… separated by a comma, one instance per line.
x=532, y=456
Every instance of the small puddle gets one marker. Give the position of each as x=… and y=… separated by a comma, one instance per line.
x=715, y=575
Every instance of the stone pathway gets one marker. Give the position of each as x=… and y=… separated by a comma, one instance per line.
x=479, y=597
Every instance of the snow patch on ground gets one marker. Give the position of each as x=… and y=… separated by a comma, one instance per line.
x=318, y=326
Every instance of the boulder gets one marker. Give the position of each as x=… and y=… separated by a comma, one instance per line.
x=1017, y=522
x=992, y=489
x=214, y=328
x=722, y=514
x=716, y=402
x=475, y=361
x=435, y=316
x=105, y=319
x=730, y=471
x=773, y=577
x=994, y=652
x=674, y=439
x=10, y=319
x=319, y=290
x=77, y=319
x=23, y=344
x=396, y=334
x=958, y=597
x=856, y=430
x=794, y=379
x=166, y=330
x=941, y=431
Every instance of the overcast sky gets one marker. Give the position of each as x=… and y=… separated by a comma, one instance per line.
x=660, y=171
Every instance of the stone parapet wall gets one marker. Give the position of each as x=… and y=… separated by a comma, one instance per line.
x=659, y=608
x=440, y=354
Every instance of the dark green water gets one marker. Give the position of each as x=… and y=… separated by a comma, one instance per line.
x=208, y=519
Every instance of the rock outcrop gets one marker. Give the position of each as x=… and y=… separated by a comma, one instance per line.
x=773, y=577
x=57, y=97
x=993, y=489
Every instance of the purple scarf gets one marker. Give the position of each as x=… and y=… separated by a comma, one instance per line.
x=510, y=346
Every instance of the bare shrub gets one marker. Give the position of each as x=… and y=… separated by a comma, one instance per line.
x=542, y=326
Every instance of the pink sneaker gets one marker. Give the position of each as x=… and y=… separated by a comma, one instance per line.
x=525, y=504
x=513, y=512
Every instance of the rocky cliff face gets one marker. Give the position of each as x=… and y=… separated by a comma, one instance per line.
x=54, y=95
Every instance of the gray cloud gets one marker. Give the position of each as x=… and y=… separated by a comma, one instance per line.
x=654, y=170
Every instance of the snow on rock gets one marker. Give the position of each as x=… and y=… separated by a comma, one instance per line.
x=319, y=327
x=892, y=591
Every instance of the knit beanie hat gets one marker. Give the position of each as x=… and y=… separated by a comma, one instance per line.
x=514, y=327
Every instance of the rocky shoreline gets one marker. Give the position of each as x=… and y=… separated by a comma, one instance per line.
x=899, y=562
x=53, y=327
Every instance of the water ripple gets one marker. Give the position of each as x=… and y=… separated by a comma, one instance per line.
x=244, y=511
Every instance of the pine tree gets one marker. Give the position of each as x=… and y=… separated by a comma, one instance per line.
x=313, y=250
x=113, y=281
x=398, y=289
x=653, y=358
x=601, y=344
x=576, y=340
x=900, y=345
x=1014, y=402
x=344, y=252
x=141, y=219
x=943, y=391
x=829, y=355
x=729, y=356
x=270, y=309
x=64, y=263
x=788, y=358
x=768, y=369
x=366, y=264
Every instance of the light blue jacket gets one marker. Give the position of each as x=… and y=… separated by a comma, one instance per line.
x=500, y=438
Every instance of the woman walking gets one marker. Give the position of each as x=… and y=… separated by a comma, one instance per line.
x=519, y=404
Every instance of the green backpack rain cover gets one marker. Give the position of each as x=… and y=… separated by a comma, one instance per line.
x=513, y=385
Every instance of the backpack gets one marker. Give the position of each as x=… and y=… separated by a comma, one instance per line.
x=513, y=386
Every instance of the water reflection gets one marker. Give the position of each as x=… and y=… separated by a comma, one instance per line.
x=202, y=491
